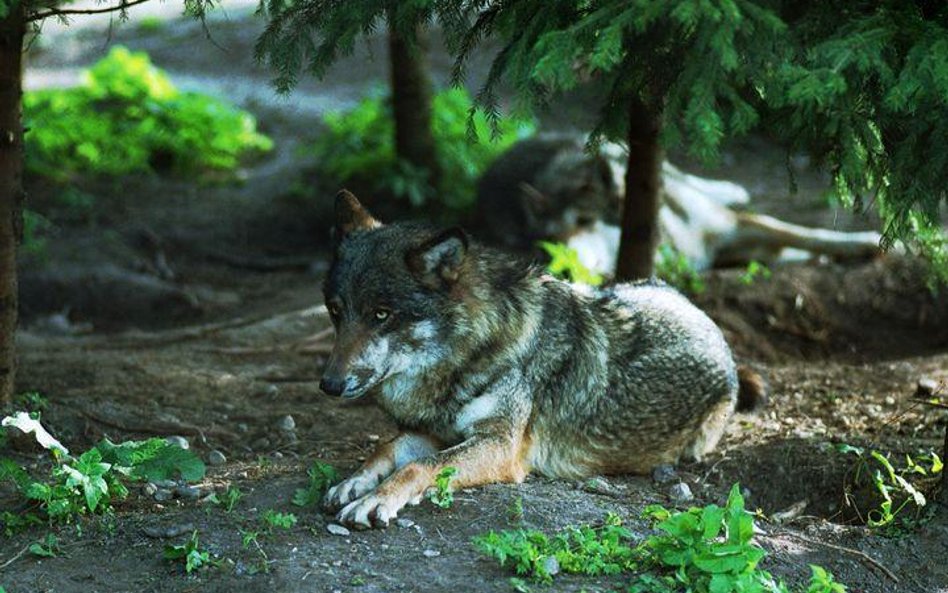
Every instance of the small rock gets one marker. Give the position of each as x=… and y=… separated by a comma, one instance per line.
x=215, y=457
x=166, y=484
x=551, y=565
x=277, y=455
x=680, y=492
x=287, y=423
x=242, y=427
x=664, y=473
x=599, y=485
x=163, y=495
x=178, y=441
x=926, y=387
x=431, y=553
x=889, y=400
x=373, y=438
x=149, y=489
x=336, y=529
x=405, y=523
x=188, y=492
x=260, y=444
x=166, y=531
x=272, y=390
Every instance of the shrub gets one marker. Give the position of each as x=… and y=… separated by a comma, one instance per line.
x=127, y=117
x=360, y=143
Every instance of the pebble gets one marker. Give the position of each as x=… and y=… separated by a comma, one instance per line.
x=889, y=400
x=680, y=492
x=551, y=565
x=599, y=485
x=431, y=553
x=242, y=427
x=188, y=492
x=163, y=495
x=926, y=387
x=272, y=390
x=215, y=457
x=166, y=484
x=373, y=438
x=178, y=441
x=287, y=423
x=162, y=532
x=664, y=473
x=149, y=489
x=403, y=522
x=337, y=529
x=260, y=444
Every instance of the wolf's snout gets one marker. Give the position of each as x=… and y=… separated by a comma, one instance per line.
x=332, y=385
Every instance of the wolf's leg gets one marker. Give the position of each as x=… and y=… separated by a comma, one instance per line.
x=486, y=457
x=386, y=458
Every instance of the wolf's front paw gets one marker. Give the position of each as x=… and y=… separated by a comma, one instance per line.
x=367, y=512
x=348, y=490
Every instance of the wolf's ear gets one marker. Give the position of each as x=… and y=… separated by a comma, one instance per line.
x=437, y=262
x=351, y=216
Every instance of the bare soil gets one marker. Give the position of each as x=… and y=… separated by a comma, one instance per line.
x=225, y=358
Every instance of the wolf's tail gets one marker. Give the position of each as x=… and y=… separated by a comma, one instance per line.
x=752, y=393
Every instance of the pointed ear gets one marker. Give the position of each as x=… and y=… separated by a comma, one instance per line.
x=351, y=216
x=437, y=262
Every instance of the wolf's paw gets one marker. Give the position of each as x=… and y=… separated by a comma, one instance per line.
x=348, y=490
x=368, y=512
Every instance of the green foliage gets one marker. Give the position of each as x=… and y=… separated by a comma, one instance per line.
x=228, y=500
x=321, y=477
x=150, y=24
x=360, y=143
x=48, y=547
x=755, y=270
x=896, y=493
x=128, y=117
x=33, y=401
x=273, y=519
x=90, y=482
x=674, y=268
x=35, y=227
x=706, y=550
x=442, y=494
x=190, y=553
x=564, y=263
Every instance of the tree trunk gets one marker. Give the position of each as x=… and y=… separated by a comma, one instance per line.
x=411, y=103
x=12, y=30
x=643, y=184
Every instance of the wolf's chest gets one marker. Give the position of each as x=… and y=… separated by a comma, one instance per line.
x=408, y=400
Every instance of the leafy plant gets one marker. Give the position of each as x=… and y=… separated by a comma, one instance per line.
x=127, y=117
x=48, y=547
x=32, y=401
x=321, y=477
x=227, y=500
x=442, y=493
x=755, y=270
x=190, y=553
x=273, y=519
x=360, y=143
x=674, y=268
x=564, y=262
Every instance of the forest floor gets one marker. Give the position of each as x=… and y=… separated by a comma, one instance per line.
x=220, y=356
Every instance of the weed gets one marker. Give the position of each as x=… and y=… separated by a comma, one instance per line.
x=361, y=143
x=150, y=24
x=249, y=537
x=128, y=117
x=48, y=547
x=227, y=500
x=190, y=553
x=274, y=520
x=564, y=262
x=755, y=270
x=674, y=268
x=515, y=510
x=32, y=401
x=442, y=494
x=321, y=477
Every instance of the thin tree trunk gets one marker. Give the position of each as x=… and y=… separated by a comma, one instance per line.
x=411, y=103
x=643, y=184
x=12, y=30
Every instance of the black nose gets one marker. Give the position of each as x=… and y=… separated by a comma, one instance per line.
x=332, y=385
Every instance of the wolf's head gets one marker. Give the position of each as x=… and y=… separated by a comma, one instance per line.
x=388, y=293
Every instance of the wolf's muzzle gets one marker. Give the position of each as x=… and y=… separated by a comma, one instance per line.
x=333, y=385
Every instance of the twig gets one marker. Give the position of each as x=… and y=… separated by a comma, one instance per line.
x=859, y=554
x=38, y=16
x=15, y=557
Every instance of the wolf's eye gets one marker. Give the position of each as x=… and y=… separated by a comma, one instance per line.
x=333, y=309
x=382, y=314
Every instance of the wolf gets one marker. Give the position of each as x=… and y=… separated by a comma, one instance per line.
x=493, y=367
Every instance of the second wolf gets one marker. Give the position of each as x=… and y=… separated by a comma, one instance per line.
x=497, y=369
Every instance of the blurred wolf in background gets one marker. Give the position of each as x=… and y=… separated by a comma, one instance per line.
x=492, y=367
x=549, y=188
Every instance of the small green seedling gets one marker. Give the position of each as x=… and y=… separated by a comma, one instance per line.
x=755, y=270
x=442, y=494
x=675, y=268
x=515, y=510
x=274, y=519
x=228, y=499
x=321, y=477
x=48, y=547
x=33, y=401
x=565, y=263
x=190, y=553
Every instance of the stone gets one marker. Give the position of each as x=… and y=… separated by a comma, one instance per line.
x=163, y=495
x=166, y=531
x=551, y=566
x=337, y=529
x=431, y=553
x=404, y=522
x=149, y=489
x=188, y=492
x=664, y=473
x=215, y=457
x=178, y=441
x=680, y=493
x=287, y=423
x=926, y=387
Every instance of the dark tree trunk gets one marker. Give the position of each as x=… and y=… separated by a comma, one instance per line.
x=12, y=30
x=411, y=103
x=643, y=184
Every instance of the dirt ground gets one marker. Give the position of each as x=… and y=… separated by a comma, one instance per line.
x=220, y=356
